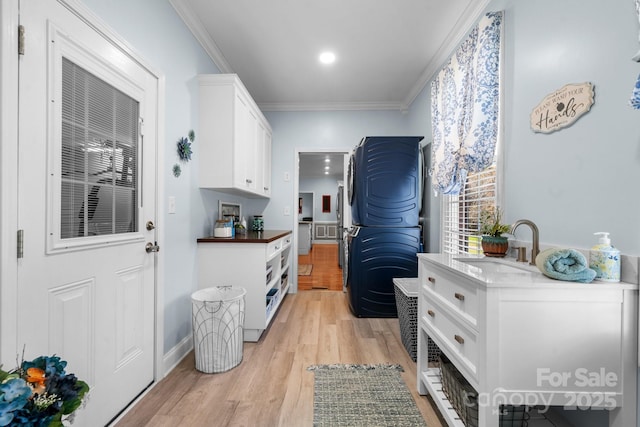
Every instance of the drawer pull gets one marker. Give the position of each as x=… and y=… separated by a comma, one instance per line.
x=431, y=313
x=459, y=339
x=432, y=279
x=459, y=296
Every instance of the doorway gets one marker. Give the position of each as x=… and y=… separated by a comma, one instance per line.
x=320, y=218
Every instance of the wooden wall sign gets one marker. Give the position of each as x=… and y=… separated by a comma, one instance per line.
x=562, y=107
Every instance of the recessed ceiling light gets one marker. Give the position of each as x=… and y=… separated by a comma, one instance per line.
x=327, y=57
x=327, y=160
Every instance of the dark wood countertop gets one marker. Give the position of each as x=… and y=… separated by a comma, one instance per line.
x=265, y=236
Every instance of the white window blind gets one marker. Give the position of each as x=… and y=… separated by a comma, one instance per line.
x=461, y=213
x=99, y=172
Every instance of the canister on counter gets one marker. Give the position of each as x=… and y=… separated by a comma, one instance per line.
x=258, y=223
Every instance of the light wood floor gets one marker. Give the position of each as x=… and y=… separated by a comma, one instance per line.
x=326, y=273
x=271, y=386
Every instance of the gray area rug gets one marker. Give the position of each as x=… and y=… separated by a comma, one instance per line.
x=362, y=395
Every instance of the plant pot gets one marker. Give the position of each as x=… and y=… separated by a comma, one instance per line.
x=495, y=246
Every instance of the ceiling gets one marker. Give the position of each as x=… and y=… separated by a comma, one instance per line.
x=386, y=50
x=312, y=165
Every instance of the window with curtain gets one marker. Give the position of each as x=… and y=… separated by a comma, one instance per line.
x=465, y=111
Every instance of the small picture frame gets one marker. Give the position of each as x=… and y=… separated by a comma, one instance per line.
x=228, y=208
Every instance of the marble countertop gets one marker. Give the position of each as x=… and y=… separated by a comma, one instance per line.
x=507, y=272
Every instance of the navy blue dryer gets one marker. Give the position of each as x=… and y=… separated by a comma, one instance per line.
x=385, y=176
x=376, y=256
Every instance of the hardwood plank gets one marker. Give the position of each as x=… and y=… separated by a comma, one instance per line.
x=271, y=386
x=326, y=274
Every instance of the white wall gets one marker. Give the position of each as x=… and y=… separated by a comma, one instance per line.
x=320, y=187
x=584, y=178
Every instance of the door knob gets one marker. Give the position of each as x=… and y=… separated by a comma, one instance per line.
x=150, y=225
x=152, y=247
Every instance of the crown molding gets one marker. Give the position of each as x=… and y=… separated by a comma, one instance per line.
x=330, y=106
x=465, y=22
x=194, y=25
x=471, y=15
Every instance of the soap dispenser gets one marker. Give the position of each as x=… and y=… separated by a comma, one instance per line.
x=605, y=259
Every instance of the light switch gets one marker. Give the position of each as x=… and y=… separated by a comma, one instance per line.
x=172, y=204
x=287, y=210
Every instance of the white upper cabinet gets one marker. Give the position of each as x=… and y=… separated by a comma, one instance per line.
x=233, y=138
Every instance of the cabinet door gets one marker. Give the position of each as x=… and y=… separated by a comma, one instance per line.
x=252, y=152
x=332, y=231
x=242, y=146
x=266, y=162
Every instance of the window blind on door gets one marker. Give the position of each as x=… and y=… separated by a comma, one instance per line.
x=99, y=158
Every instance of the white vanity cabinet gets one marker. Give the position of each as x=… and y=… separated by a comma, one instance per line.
x=234, y=138
x=258, y=262
x=521, y=338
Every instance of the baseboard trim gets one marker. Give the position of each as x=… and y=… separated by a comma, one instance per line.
x=174, y=356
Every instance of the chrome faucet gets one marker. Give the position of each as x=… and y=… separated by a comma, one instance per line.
x=535, y=248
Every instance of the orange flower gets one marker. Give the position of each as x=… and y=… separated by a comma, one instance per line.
x=36, y=377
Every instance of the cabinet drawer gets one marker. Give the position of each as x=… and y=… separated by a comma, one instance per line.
x=275, y=247
x=461, y=342
x=460, y=295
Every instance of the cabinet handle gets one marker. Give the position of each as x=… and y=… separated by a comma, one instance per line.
x=265, y=188
x=459, y=339
x=432, y=279
x=248, y=181
x=459, y=296
x=431, y=313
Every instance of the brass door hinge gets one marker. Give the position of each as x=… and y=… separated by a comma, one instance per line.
x=20, y=39
x=20, y=244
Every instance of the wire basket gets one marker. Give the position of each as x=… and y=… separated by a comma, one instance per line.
x=464, y=399
x=406, y=292
x=218, y=321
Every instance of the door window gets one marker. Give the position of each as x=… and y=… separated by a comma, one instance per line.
x=99, y=157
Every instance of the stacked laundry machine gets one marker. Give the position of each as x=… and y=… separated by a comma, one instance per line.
x=385, y=193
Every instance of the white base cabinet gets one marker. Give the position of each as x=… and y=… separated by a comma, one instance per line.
x=261, y=268
x=525, y=339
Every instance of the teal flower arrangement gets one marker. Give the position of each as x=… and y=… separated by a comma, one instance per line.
x=184, y=146
x=40, y=393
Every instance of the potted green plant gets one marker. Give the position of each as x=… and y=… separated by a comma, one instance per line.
x=494, y=244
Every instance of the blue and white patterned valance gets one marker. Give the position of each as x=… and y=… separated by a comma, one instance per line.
x=465, y=101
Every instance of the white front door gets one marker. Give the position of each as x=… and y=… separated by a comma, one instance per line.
x=86, y=189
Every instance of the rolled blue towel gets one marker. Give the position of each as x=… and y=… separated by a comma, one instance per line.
x=565, y=264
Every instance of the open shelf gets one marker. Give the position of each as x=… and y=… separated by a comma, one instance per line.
x=431, y=379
